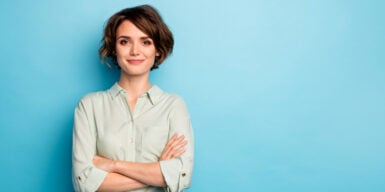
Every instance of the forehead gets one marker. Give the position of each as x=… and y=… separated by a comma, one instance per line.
x=127, y=28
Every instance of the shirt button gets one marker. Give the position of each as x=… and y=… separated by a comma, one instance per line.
x=183, y=174
x=131, y=140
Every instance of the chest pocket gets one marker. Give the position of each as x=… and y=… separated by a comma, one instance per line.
x=153, y=141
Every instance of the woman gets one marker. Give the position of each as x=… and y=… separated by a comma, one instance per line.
x=133, y=136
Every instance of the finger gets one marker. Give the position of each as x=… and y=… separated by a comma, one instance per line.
x=179, y=151
x=173, y=142
x=179, y=146
x=177, y=141
x=172, y=139
x=176, y=150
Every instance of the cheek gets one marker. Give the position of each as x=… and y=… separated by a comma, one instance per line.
x=120, y=52
x=120, y=57
x=150, y=53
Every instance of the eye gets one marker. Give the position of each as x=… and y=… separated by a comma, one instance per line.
x=123, y=42
x=147, y=42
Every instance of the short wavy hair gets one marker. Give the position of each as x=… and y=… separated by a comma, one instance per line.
x=148, y=20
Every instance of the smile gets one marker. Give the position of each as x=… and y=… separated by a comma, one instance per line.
x=135, y=61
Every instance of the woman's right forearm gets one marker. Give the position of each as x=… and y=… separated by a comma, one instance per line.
x=118, y=182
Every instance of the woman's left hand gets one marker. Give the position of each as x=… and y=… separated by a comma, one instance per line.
x=103, y=163
x=174, y=147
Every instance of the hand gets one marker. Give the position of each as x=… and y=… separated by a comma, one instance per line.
x=103, y=163
x=174, y=148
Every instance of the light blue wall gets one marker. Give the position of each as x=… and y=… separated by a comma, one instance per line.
x=284, y=95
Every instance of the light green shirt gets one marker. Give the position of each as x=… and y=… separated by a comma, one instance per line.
x=105, y=126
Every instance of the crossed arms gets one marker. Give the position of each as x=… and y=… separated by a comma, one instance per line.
x=124, y=175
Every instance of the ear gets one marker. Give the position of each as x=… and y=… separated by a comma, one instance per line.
x=157, y=54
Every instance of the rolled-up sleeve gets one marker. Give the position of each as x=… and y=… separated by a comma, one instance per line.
x=86, y=177
x=178, y=172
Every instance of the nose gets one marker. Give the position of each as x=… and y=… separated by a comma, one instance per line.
x=134, y=49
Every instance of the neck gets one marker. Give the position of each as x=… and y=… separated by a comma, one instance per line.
x=135, y=85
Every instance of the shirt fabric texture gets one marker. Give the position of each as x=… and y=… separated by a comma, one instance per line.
x=104, y=125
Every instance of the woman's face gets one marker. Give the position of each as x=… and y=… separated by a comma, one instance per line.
x=135, y=51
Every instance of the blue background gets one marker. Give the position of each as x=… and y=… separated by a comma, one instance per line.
x=283, y=95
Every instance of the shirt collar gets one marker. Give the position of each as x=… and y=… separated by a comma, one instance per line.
x=154, y=93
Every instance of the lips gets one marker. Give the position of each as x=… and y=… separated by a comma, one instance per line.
x=135, y=61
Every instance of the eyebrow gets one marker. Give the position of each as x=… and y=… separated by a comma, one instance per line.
x=128, y=37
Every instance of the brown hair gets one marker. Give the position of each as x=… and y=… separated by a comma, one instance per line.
x=148, y=20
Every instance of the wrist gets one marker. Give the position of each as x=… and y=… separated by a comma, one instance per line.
x=114, y=166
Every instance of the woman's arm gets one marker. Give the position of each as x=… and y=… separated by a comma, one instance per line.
x=178, y=171
x=142, y=173
x=86, y=177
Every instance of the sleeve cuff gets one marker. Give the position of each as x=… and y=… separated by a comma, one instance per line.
x=91, y=180
x=173, y=174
